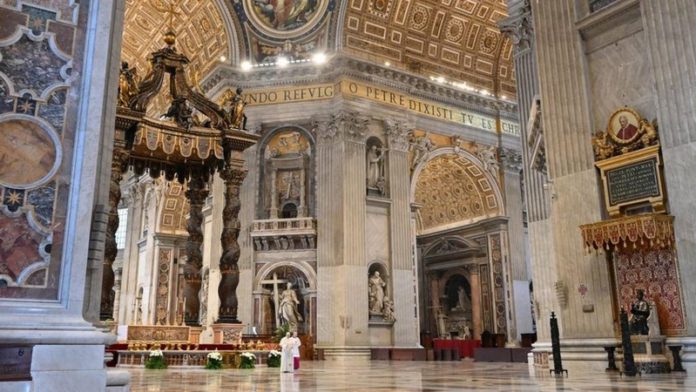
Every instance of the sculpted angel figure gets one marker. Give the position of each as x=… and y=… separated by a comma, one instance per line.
x=127, y=84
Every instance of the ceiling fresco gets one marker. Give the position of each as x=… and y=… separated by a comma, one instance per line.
x=455, y=39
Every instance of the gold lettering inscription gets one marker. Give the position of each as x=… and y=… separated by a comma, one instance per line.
x=393, y=98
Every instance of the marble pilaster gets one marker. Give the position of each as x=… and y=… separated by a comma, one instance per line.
x=341, y=266
x=672, y=48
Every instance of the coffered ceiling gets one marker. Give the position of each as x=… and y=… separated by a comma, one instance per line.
x=455, y=39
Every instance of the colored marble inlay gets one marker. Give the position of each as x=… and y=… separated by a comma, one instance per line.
x=42, y=200
x=13, y=198
x=401, y=376
x=26, y=105
x=19, y=246
x=53, y=110
x=38, y=17
x=655, y=272
x=31, y=65
x=6, y=101
x=27, y=153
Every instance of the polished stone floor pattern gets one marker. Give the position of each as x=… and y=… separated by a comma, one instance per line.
x=383, y=376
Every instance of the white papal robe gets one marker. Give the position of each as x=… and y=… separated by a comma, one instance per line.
x=286, y=361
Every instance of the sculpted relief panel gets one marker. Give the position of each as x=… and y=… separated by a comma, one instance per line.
x=453, y=190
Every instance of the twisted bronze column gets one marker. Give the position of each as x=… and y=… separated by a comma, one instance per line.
x=229, y=269
x=196, y=194
x=118, y=165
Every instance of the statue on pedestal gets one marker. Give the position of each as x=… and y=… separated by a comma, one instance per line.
x=288, y=307
x=640, y=311
x=375, y=161
x=376, y=292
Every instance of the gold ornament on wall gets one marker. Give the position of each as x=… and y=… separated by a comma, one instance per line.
x=626, y=131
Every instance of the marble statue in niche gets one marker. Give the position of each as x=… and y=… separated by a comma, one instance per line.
x=288, y=308
x=377, y=288
x=375, y=167
x=463, y=301
x=640, y=311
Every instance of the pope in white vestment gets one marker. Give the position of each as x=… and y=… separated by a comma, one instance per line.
x=286, y=361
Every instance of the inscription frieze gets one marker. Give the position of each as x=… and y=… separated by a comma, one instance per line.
x=354, y=89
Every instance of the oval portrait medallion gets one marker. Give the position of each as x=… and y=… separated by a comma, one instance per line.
x=29, y=152
x=285, y=18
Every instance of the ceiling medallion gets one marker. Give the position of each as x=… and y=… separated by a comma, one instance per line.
x=285, y=18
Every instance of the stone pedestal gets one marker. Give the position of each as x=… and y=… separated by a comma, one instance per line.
x=348, y=355
x=227, y=333
x=195, y=335
x=650, y=354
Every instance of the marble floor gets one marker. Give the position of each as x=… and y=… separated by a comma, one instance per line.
x=382, y=376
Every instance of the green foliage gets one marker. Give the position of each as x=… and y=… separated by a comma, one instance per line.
x=273, y=361
x=213, y=364
x=247, y=363
x=281, y=331
x=155, y=363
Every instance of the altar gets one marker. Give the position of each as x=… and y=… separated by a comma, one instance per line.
x=465, y=347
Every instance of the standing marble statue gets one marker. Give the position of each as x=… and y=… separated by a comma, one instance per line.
x=286, y=358
x=376, y=292
x=375, y=160
x=463, y=300
x=287, y=308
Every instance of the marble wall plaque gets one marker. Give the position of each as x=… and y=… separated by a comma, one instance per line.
x=15, y=363
x=633, y=182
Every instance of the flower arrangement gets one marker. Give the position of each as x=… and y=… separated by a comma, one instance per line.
x=273, y=359
x=248, y=361
x=155, y=360
x=214, y=360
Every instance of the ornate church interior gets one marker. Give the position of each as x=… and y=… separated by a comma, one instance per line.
x=400, y=195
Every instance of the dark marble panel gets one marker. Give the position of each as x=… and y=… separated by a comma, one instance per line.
x=10, y=20
x=38, y=17
x=31, y=65
x=6, y=101
x=65, y=35
x=42, y=199
x=53, y=110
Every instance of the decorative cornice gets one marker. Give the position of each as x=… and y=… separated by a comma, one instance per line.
x=397, y=134
x=519, y=26
x=226, y=76
x=511, y=159
x=341, y=125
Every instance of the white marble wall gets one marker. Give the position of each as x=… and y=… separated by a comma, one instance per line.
x=575, y=196
x=671, y=47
